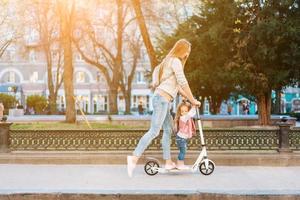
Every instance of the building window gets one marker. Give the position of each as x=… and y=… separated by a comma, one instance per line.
x=33, y=36
x=148, y=102
x=80, y=77
x=34, y=77
x=98, y=78
x=11, y=77
x=62, y=103
x=78, y=57
x=11, y=55
x=139, y=99
x=103, y=103
x=32, y=56
x=140, y=77
x=144, y=55
x=54, y=55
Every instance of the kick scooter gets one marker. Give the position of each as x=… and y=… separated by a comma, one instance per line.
x=205, y=166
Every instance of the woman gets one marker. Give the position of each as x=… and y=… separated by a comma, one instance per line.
x=163, y=96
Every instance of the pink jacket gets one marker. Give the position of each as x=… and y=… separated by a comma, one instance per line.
x=186, y=125
x=187, y=128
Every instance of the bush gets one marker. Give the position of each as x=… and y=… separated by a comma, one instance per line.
x=37, y=102
x=8, y=101
x=295, y=114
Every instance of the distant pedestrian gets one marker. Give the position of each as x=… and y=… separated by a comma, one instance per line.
x=229, y=108
x=140, y=108
x=247, y=110
x=31, y=111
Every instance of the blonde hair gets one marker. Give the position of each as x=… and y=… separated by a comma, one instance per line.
x=178, y=113
x=181, y=50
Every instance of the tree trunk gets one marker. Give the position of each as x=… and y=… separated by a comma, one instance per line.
x=202, y=107
x=52, y=94
x=52, y=103
x=66, y=28
x=127, y=102
x=113, y=101
x=68, y=82
x=264, y=108
x=277, y=109
x=144, y=31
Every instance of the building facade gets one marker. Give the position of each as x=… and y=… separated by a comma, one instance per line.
x=23, y=72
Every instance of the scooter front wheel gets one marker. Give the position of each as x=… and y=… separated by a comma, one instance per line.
x=210, y=168
x=149, y=167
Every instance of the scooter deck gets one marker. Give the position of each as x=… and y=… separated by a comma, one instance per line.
x=163, y=170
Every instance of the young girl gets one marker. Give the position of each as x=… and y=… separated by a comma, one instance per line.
x=185, y=129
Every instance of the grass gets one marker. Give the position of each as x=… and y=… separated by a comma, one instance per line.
x=66, y=126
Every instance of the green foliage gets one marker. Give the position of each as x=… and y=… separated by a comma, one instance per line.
x=212, y=38
x=245, y=47
x=37, y=102
x=295, y=114
x=268, y=46
x=8, y=101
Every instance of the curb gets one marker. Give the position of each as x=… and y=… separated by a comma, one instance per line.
x=119, y=158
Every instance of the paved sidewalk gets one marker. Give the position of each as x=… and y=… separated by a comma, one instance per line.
x=113, y=179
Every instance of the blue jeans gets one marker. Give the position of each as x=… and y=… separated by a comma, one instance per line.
x=182, y=146
x=161, y=118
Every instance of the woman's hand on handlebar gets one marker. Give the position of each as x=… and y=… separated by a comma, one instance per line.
x=195, y=102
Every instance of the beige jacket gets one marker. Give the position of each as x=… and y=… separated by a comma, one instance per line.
x=172, y=66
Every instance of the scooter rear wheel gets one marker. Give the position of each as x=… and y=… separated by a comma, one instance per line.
x=209, y=170
x=149, y=167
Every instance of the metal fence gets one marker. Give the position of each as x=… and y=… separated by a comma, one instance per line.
x=294, y=139
x=126, y=140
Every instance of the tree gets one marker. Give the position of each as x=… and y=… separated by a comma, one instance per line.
x=211, y=35
x=134, y=46
x=105, y=51
x=99, y=52
x=136, y=4
x=8, y=35
x=37, y=102
x=46, y=24
x=267, y=50
x=8, y=101
x=66, y=13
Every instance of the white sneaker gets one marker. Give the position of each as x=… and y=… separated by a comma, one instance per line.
x=170, y=166
x=130, y=165
x=182, y=167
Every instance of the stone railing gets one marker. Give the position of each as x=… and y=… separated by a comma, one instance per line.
x=294, y=139
x=282, y=139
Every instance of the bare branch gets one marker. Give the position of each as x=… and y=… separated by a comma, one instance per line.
x=89, y=60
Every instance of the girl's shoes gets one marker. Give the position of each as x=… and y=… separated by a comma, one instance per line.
x=130, y=165
x=170, y=166
x=182, y=167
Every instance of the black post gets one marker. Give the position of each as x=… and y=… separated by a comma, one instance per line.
x=284, y=128
x=4, y=137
